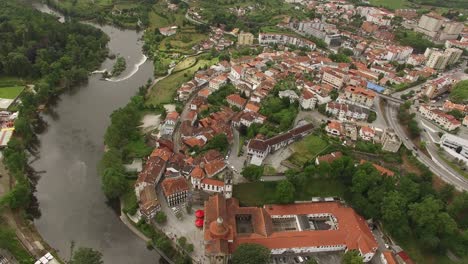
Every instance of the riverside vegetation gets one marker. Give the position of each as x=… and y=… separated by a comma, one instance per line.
x=54, y=56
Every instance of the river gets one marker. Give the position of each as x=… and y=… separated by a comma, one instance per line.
x=69, y=192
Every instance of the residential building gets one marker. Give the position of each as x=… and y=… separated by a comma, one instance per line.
x=446, y=121
x=148, y=203
x=285, y=230
x=245, y=38
x=449, y=106
x=169, y=123
x=217, y=82
x=284, y=39
x=334, y=128
x=383, y=171
x=390, y=141
x=293, y=97
x=258, y=149
x=439, y=28
x=347, y=112
x=457, y=144
x=307, y=99
x=366, y=133
x=334, y=77
x=328, y=158
x=439, y=60
x=358, y=95
x=236, y=100
x=168, y=31
x=175, y=190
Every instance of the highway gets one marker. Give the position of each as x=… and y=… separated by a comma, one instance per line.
x=436, y=165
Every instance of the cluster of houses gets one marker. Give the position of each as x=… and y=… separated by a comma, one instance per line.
x=387, y=137
x=216, y=40
x=177, y=174
x=7, y=120
x=441, y=117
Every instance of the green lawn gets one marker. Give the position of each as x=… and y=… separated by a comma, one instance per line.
x=390, y=4
x=410, y=245
x=163, y=92
x=182, y=42
x=10, y=92
x=186, y=63
x=307, y=149
x=260, y=193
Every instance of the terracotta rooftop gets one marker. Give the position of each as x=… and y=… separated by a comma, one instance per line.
x=197, y=173
x=214, y=167
x=175, y=185
x=163, y=153
x=212, y=182
x=329, y=158
x=383, y=171
x=352, y=231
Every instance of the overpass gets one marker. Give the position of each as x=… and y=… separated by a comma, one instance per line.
x=390, y=98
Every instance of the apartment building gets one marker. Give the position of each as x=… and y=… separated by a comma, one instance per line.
x=390, y=141
x=175, y=190
x=245, y=38
x=358, y=95
x=446, y=121
x=439, y=60
x=334, y=77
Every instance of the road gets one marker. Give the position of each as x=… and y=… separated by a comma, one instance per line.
x=435, y=164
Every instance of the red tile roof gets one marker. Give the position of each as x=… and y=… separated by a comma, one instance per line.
x=329, y=158
x=197, y=173
x=162, y=153
x=213, y=182
x=174, y=185
x=383, y=171
x=352, y=231
x=214, y=167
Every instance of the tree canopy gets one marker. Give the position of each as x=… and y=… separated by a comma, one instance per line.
x=251, y=254
x=459, y=93
x=86, y=256
x=352, y=257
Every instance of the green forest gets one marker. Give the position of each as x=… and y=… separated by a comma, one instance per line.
x=37, y=48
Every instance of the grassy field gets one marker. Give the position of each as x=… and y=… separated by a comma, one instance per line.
x=10, y=92
x=260, y=193
x=307, y=149
x=390, y=4
x=164, y=91
x=186, y=63
x=182, y=42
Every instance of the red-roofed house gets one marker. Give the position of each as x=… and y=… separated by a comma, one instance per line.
x=214, y=167
x=227, y=225
x=334, y=128
x=307, y=99
x=383, y=171
x=366, y=133
x=217, y=82
x=175, y=190
x=446, y=121
x=387, y=257
x=328, y=158
x=236, y=100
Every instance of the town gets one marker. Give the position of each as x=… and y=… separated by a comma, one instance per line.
x=337, y=135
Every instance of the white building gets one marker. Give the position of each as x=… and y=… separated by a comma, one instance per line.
x=456, y=146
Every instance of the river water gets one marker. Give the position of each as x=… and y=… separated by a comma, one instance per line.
x=69, y=192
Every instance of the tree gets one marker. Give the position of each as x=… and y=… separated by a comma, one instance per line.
x=114, y=183
x=251, y=254
x=285, y=192
x=161, y=217
x=312, y=261
x=393, y=213
x=252, y=172
x=352, y=257
x=459, y=93
x=86, y=256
